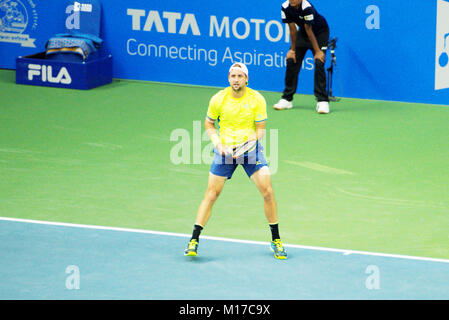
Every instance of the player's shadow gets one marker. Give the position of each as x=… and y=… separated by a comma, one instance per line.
x=199, y=259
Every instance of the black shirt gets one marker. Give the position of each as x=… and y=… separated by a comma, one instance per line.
x=305, y=14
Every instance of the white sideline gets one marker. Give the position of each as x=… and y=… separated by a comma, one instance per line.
x=343, y=251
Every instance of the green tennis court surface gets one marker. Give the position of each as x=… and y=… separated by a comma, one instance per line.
x=371, y=176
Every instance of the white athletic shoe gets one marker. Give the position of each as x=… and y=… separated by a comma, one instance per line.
x=322, y=107
x=283, y=104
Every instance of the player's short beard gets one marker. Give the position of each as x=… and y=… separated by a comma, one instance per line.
x=239, y=89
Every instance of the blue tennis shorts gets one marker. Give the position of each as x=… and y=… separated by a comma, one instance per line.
x=224, y=166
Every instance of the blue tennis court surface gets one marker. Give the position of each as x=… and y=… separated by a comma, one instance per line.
x=49, y=261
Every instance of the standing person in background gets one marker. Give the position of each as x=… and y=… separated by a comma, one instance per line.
x=313, y=34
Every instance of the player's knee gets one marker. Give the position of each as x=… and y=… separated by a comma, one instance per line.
x=267, y=193
x=319, y=63
x=212, y=194
x=292, y=64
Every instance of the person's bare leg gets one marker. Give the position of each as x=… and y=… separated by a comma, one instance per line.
x=214, y=188
x=262, y=179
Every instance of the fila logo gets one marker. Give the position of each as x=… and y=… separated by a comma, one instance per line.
x=46, y=74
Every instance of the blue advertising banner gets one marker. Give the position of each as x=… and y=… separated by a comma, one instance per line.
x=386, y=49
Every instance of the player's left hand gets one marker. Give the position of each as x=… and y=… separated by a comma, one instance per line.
x=320, y=56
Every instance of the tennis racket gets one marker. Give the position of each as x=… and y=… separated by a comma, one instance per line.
x=243, y=148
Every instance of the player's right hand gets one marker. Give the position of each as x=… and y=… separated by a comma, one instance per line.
x=224, y=150
x=291, y=54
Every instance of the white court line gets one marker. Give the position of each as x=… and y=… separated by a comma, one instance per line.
x=343, y=251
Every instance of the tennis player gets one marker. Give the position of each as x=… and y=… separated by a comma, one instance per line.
x=241, y=113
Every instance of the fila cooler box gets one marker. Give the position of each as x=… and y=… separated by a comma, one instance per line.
x=38, y=70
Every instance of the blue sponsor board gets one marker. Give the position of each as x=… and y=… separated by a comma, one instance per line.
x=39, y=71
x=386, y=50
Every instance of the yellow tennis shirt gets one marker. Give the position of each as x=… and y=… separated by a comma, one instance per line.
x=237, y=117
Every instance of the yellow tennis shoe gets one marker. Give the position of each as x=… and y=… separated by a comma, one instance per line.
x=192, y=248
x=278, y=249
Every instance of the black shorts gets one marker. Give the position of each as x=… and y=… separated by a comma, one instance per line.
x=303, y=41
